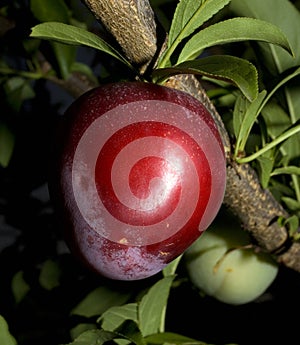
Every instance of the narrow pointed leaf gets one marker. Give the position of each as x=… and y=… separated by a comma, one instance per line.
x=152, y=307
x=172, y=338
x=188, y=17
x=283, y=14
x=50, y=10
x=115, y=316
x=239, y=72
x=233, y=30
x=98, y=301
x=286, y=170
x=240, y=106
x=295, y=129
x=7, y=143
x=249, y=119
x=129, y=330
x=74, y=35
x=172, y=266
x=93, y=337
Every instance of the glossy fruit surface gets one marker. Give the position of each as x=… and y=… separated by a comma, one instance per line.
x=218, y=264
x=141, y=175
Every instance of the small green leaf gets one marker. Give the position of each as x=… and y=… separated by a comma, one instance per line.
x=266, y=163
x=129, y=330
x=98, y=301
x=233, y=30
x=172, y=266
x=291, y=169
x=93, y=337
x=7, y=143
x=239, y=72
x=171, y=338
x=189, y=16
x=56, y=11
x=50, y=10
x=19, y=286
x=292, y=204
x=239, y=111
x=115, y=316
x=293, y=224
x=278, y=120
x=292, y=131
x=81, y=328
x=50, y=275
x=84, y=69
x=65, y=56
x=5, y=336
x=17, y=90
x=74, y=35
x=152, y=308
x=249, y=118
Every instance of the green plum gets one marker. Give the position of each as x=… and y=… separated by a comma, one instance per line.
x=223, y=264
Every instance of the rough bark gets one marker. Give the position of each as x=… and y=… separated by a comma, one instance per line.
x=132, y=24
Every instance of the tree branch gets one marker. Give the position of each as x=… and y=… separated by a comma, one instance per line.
x=132, y=23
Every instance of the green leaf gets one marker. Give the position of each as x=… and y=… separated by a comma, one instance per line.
x=189, y=16
x=285, y=16
x=171, y=338
x=99, y=300
x=249, y=118
x=240, y=107
x=293, y=224
x=50, y=10
x=56, y=11
x=172, y=266
x=152, y=307
x=18, y=90
x=74, y=35
x=292, y=204
x=65, y=56
x=292, y=131
x=50, y=275
x=84, y=69
x=291, y=169
x=129, y=330
x=239, y=72
x=278, y=120
x=5, y=336
x=93, y=337
x=81, y=328
x=233, y=30
x=19, y=286
x=115, y=316
x=266, y=163
x=7, y=143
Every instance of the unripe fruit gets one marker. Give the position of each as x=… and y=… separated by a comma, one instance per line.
x=141, y=174
x=220, y=264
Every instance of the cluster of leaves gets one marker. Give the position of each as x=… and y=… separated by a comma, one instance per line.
x=253, y=80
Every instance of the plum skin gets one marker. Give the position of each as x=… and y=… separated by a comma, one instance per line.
x=106, y=148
